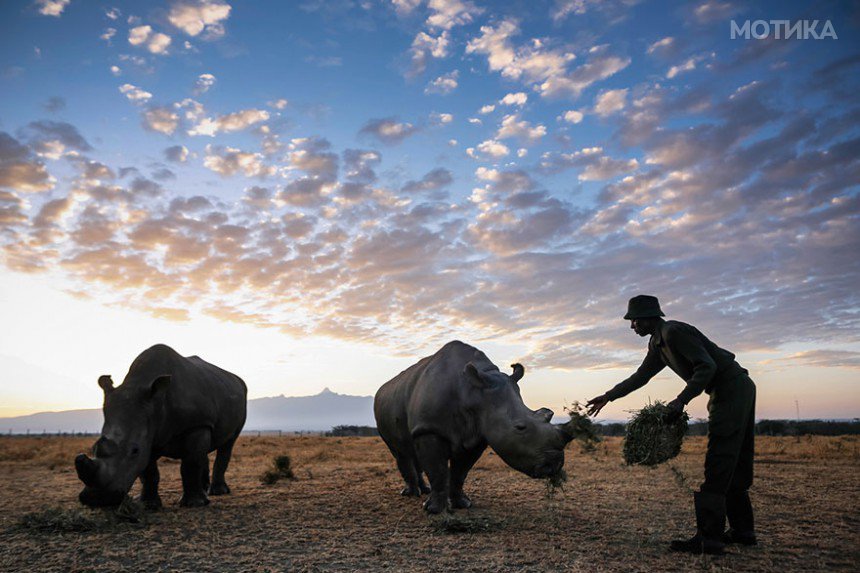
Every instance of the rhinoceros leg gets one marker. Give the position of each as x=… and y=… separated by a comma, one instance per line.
x=433, y=454
x=195, y=459
x=422, y=485
x=461, y=463
x=222, y=460
x=406, y=465
x=149, y=486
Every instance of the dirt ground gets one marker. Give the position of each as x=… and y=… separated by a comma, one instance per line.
x=343, y=513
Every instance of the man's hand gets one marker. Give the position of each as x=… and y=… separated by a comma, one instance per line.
x=595, y=405
x=676, y=409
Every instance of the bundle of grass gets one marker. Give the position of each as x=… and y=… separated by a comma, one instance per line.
x=581, y=427
x=58, y=520
x=555, y=483
x=281, y=469
x=131, y=511
x=453, y=524
x=653, y=437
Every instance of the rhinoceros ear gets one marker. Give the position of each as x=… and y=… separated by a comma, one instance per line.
x=476, y=377
x=106, y=383
x=519, y=372
x=159, y=385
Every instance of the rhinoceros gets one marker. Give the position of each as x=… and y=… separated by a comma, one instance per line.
x=168, y=405
x=440, y=414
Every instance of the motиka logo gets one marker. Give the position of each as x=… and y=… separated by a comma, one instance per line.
x=783, y=30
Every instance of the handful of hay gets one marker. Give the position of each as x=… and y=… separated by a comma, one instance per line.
x=581, y=427
x=650, y=438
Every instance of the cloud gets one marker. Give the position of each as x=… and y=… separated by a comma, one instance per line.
x=599, y=67
x=388, y=130
x=155, y=42
x=531, y=63
x=513, y=127
x=108, y=35
x=176, y=154
x=161, y=119
x=610, y=102
x=446, y=14
x=572, y=116
x=543, y=67
x=204, y=83
x=52, y=7
x=313, y=156
x=518, y=98
x=487, y=109
x=425, y=46
x=489, y=148
x=205, y=17
x=279, y=104
x=229, y=123
x=135, y=94
x=43, y=135
x=405, y=7
x=55, y=104
x=594, y=164
x=441, y=118
x=432, y=181
x=662, y=46
x=229, y=161
x=444, y=84
x=713, y=11
x=20, y=170
x=822, y=359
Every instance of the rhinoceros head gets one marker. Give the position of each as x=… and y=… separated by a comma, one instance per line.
x=123, y=450
x=525, y=439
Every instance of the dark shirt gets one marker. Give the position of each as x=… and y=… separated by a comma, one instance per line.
x=689, y=353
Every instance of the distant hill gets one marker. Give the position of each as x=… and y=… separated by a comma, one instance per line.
x=289, y=413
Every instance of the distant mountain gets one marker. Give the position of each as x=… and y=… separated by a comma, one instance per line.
x=289, y=413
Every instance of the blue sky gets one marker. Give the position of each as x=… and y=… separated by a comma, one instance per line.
x=374, y=178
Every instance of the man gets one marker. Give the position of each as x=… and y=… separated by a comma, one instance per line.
x=731, y=420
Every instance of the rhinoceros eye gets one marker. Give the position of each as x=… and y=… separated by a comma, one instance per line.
x=520, y=427
x=135, y=449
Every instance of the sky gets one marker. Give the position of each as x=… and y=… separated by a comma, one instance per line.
x=319, y=193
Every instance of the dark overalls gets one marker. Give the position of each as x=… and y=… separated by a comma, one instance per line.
x=731, y=419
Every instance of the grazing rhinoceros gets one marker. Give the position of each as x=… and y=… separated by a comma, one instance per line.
x=168, y=405
x=440, y=414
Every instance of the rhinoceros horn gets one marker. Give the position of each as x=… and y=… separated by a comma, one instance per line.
x=519, y=372
x=86, y=469
x=565, y=432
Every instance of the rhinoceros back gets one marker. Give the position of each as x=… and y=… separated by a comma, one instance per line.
x=427, y=397
x=199, y=393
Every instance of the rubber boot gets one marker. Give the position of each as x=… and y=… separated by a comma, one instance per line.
x=710, y=523
x=740, y=514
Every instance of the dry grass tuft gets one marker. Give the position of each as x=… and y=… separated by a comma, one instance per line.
x=282, y=469
x=448, y=524
x=59, y=520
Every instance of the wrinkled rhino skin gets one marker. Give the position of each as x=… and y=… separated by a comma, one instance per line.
x=439, y=415
x=168, y=405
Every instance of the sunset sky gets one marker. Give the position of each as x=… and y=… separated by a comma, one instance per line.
x=318, y=193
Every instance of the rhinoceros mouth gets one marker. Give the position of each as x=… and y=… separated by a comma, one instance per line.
x=97, y=497
x=547, y=469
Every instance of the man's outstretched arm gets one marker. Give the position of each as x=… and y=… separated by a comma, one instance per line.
x=649, y=368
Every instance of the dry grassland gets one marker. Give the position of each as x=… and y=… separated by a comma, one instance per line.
x=342, y=513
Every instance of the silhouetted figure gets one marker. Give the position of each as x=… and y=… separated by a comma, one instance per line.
x=731, y=420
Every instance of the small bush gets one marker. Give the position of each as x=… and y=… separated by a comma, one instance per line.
x=650, y=438
x=281, y=469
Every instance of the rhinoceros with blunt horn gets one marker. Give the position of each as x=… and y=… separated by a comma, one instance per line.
x=439, y=415
x=168, y=405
